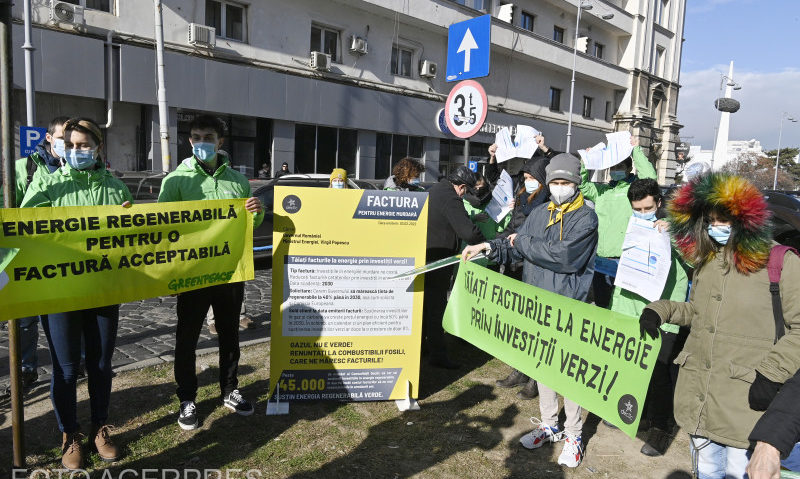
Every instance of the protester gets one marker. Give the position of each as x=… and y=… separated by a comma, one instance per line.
x=532, y=191
x=613, y=211
x=283, y=171
x=405, y=176
x=264, y=172
x=45, y=160
x=777, y=434
x=645, y=199
x=82, y=181
x=557, y=243
x=448, y=225
x=338, y=180
x=475, y=202
x=207, y=175
x=721, y=226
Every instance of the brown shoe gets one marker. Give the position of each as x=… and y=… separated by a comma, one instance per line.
x=71, y=451
x=103, y=444
x=245, y=322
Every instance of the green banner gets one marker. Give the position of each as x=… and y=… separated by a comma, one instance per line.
x=590, y=355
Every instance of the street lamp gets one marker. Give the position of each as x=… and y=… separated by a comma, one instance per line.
x=608, y=16
x=724, y=105
x=785, y=116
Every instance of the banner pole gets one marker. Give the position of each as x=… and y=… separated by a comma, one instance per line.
x=7, y=132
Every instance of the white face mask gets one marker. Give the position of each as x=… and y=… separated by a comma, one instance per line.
x=531, y=186
x=561, y=193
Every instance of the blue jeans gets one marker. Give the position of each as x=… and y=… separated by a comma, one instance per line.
x=28, y=342
x=712, y=460
x=98, y=328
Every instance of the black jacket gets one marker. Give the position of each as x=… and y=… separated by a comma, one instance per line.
x=780, y=424
x=448, y=222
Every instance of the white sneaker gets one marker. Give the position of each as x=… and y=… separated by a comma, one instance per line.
x=541, y=435
x=572, y=453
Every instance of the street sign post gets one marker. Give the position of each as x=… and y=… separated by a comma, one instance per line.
x=29, y=138
x=468, y=47
x=465, y=110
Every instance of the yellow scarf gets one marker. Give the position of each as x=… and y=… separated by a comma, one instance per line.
x=561, y=210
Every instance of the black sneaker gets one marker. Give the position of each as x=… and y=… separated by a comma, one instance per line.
x=513, y=380
x=187, y=419
x=29, y=378
x=236, y=403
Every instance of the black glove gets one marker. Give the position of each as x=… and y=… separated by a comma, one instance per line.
x=649, y=322
x=762, y=392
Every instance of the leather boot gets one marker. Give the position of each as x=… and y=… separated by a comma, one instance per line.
x=102, y=443
x=657, y=443
x=71, y=451
x=513, y=380
x=530, y=391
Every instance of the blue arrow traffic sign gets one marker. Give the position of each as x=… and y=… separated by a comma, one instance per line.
x=468, y=47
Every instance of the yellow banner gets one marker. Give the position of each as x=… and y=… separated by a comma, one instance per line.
x=79, y=257
x=341, y=329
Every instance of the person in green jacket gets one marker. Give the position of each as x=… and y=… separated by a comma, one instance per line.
x=82, y=181
x=645, y=199
x=613, y=211
x=475, y=202
x=207, y=175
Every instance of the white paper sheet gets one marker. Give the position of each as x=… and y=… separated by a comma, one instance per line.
x=523, y=146
x=602, y=155
x=645, y=261
x=502, y=196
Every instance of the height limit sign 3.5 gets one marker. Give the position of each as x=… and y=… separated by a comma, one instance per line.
x=465, y=110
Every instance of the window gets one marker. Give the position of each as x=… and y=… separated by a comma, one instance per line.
x=587, y=107
x=389, y=149
x=609, y=112
x=658, y=62
x=526, y=21
x=558, y=34
x=476, y=4
x=598, y=50
x=320, y=149
x=401, y=61
x=661, y=14
x=555, y=99
x=104, y=5
x=227, y=18
x=325, y=40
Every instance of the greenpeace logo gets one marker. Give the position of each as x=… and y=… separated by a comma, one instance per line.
x=193, y=281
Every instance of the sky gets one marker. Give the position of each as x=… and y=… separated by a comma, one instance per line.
x=762, y=38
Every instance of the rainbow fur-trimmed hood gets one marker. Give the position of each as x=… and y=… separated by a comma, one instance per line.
x=751, y=230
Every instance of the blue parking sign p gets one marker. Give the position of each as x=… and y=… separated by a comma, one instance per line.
x=473, y=166
x=29, y=139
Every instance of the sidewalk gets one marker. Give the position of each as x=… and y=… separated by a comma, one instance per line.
x=146, y=333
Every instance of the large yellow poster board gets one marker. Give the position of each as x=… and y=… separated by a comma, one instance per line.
x=341, y=329
x=78, y=257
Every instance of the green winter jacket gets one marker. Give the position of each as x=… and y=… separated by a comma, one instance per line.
x=21, y=177
x=70, y=187
x=626, y=302
x=731, y=334
x=612, y=206
x=190, y=182
x=487, y=225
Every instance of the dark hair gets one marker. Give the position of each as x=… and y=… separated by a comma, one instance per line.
x=57, y=121
x=86, y=126
x=406, y=169
x=203, y=122
x=462, y=176
x=642, y=188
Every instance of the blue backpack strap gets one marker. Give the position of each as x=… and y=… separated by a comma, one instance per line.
x=774, y=268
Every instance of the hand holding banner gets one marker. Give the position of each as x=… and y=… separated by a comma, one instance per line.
x=590, y=355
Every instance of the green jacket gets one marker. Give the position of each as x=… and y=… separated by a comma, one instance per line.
x=626, y=302
x=487, y=225
x=71, y=187
x=21, y=177
x=612, y=206
x=190, y=182
x=731, y=335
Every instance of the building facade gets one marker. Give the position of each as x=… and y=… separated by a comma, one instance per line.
x=378, y=97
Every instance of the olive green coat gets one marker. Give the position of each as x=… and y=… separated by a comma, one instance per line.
x=731, y=335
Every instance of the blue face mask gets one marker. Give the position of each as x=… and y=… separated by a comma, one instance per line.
x=649, y=216
x=618, y=175
x=80, y=159
x=204, y=151
x=337, y=185
x=531, y=185
x=720, y=234
x=413, y=181
x=58, y=147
